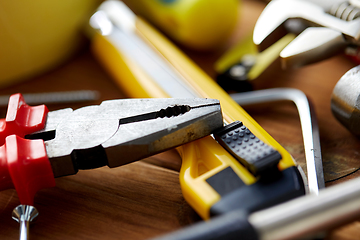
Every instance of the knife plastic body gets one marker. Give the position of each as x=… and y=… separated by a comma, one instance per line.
x=214, y=177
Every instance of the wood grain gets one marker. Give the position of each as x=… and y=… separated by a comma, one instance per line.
x=143, y=199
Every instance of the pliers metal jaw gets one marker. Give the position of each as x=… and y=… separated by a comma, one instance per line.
x=118, y=132
x=324, y=30
x=114, y=133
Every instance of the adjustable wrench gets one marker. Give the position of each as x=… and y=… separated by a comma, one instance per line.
x=325, y=29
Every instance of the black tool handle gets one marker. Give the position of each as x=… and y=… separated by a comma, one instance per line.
x=233, y=225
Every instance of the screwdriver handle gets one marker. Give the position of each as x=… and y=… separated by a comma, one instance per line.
x=21, y=119
x=24, y=165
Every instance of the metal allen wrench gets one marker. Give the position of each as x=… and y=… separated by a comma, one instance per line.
x=309, y=127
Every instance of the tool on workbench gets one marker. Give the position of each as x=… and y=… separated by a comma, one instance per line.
x=236, y=224
x=197, y=24
x=243, y=62
x=300, y=218
x=213, y=180
x=55, y=97
x=345, y=100
x=324, y=29
x=38, y=145
x=309, y=126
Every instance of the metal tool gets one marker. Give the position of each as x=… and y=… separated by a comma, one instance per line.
x=329, y=5
x=91, y=137
x=345, y=100
x=301, y=217
x=55, y=97
x=114, y=133
x=324, y=34
x=309, y=126
x=24, y=214
x=215, y=178
x=94, y=136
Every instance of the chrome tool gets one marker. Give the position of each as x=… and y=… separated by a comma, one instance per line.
x=345, y=100
x=324, y=29
x=24, y=214
x=38, y=145
x=309, y=126
x=96, y=136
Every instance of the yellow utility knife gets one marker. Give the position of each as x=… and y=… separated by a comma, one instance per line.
x=215, y=177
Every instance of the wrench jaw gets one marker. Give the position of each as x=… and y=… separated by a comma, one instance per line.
x=271, y=25
x=312, y=45
x=278, y=13
x=324, y=34
x=264, y=36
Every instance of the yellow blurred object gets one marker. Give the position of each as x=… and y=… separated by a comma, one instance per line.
x=38, y=35
x=234, y=54
x=133, y=44
x=247, y=47
x=197, y=24
x=268, y=56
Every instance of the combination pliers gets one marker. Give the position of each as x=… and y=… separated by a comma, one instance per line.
x=38, y=145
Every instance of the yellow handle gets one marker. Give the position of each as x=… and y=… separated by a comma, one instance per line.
x=201, y=158
x=247, y=47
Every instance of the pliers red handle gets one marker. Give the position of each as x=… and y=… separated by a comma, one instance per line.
x=114, y=133
x=23, y=163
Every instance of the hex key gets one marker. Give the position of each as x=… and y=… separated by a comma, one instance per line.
x=309, y=127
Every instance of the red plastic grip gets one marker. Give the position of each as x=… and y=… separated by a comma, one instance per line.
x=24, y=163
x=21, y=119
x=355, y=59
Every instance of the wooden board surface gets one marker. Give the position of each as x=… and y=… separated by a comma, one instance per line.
x=143, y=199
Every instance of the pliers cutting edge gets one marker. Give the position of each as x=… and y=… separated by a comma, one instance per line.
x=324, y=30
x=114, y=133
